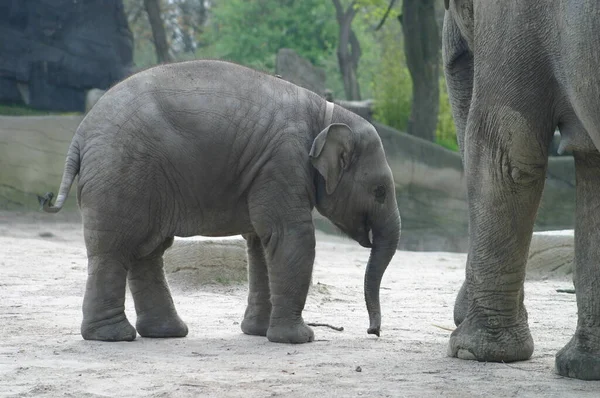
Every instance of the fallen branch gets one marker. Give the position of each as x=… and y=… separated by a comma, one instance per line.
x=339, y=329
x=570, y=291
x=443, y=327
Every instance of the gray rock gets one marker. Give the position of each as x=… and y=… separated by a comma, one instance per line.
x=91, y=97
x=199, y=260
x=293, y=68
x=551, y=255
x=52, y=52
x=363, y=108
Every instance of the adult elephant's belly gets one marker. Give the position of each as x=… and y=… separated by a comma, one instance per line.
x=574, y=137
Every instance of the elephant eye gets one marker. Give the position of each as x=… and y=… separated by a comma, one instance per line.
x=380, y=193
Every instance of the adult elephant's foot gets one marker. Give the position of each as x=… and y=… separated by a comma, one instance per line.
x=295, y=332
x=256, y=320
x=473, y=340
x=116, y=328
x=580, y=358
x=161, y=326
x=461, y=305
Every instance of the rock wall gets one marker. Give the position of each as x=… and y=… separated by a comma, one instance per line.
x=293, y=68
x=52, y=52
x=430, y=183
x=32, y=157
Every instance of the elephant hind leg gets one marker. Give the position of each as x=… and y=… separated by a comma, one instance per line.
x=104, y=300
x=156, y=314
x=580, y=358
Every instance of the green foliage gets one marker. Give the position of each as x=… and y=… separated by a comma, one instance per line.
x=391, y=85
x=445, y=132
x=251, y=32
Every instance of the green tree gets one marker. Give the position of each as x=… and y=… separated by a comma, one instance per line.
x=251, y=31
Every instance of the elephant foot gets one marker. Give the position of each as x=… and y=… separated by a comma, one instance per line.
x=472, y=340
x=578, y=360
x=161, y=326
x=256, y=321
x=296, y=333
x=117, y=328
x=461, y=305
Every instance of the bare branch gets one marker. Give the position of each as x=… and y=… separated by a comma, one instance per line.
x=387, y=13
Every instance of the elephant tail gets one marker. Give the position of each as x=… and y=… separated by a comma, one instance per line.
x=71, y=170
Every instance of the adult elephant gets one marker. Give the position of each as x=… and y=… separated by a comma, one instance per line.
x=516, y=70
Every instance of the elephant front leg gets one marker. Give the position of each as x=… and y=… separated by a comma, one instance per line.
x=505, y=167
x=258, y=312
x=580, y=358
x=290, y=252
x=156, y=314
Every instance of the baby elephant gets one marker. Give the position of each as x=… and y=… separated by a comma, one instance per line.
x=215, y=149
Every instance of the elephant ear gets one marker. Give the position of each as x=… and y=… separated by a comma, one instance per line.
x=331, y=153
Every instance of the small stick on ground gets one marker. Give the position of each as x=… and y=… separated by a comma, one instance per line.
x=443, y=327
x=570, y=291
x=339, y=329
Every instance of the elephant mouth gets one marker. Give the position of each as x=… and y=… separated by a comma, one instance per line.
x=364, y=235
x=367, y=240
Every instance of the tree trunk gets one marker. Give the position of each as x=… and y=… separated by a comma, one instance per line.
x=421, y=46
x=158, y=31
x=348, y=51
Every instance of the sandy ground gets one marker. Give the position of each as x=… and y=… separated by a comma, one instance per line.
x=42, y=278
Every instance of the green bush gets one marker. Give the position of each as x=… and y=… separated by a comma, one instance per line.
x=445, y=132
x=251, y=32
x=392, y=89
x=391, y=85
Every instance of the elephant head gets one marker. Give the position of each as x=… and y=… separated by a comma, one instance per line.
x=355, y=190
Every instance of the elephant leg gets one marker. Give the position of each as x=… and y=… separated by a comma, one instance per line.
x=461, y=305
x=258, y=312
x=290, y=254
x=156, y=314
x=505, y=165
x=104, y=300
x=580, y=358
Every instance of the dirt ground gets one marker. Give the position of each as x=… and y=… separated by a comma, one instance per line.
x=42, y=278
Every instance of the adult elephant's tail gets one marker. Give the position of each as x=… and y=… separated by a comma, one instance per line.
x=71, y=170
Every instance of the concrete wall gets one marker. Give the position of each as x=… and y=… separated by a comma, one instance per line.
x=32, y=157
x=430, y=182
x=431, y=191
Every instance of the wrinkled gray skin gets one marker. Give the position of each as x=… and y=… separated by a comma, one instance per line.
x=516, y=70
x=211, y=148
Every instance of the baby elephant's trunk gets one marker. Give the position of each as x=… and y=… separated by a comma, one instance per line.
x=386, y=234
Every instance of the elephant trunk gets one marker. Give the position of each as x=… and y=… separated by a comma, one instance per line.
x=386, y=234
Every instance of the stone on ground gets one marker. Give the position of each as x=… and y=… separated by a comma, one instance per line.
x=199, y=260
x=551, y=255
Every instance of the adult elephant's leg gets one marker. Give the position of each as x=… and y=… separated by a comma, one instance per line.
x=505, y=164
x=461, y=305
x=258, y=311
x=458, y=69
x=580, y=358
x=156, y=314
